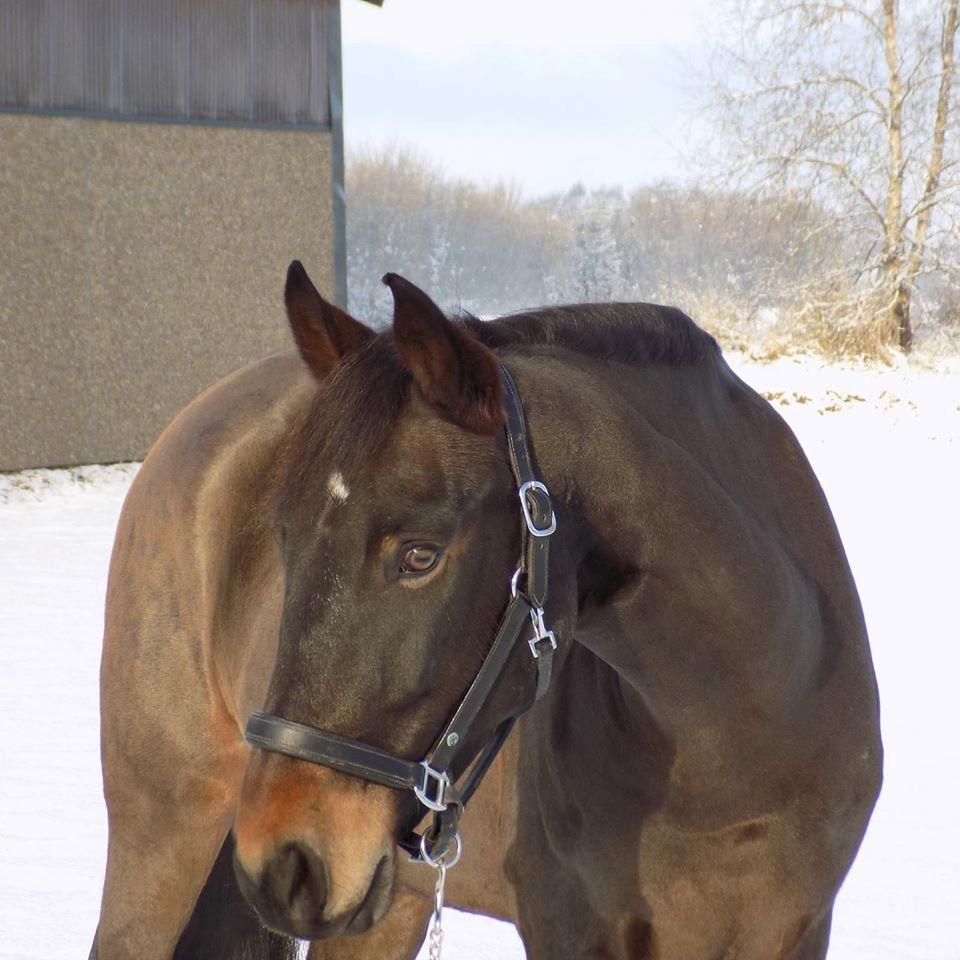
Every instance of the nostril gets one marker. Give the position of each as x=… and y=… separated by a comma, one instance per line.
x=294, y=872
x=298, y=880
x=376, y=901
x=381, y=874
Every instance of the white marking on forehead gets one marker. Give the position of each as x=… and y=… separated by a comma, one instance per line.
x=338, y=487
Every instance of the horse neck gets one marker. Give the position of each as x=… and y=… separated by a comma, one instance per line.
x=658, y=465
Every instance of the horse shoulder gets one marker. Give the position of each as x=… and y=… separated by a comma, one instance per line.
x=193, y=581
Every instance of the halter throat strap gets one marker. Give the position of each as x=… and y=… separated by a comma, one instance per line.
x=433, y=780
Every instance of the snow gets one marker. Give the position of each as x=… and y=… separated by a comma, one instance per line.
x=885, y=443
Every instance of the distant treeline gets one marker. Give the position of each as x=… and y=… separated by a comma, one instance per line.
x=764, y=274
x=489, y=250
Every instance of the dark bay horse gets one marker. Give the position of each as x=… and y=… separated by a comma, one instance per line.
x=332, y=536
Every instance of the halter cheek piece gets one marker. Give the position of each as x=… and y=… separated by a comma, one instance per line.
x=433, y=779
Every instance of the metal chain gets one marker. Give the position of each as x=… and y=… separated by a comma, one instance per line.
x=441, y=864
x=435, y=936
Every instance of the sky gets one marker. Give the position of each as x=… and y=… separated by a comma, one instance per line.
x=539, y=93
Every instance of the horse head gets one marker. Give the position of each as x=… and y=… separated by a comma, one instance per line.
x=397, y=525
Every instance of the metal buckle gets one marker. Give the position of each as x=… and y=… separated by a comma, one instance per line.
x=437, y=803
x=536, y=531
x=540, y=633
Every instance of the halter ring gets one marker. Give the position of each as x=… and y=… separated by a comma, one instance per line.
x=438, y=862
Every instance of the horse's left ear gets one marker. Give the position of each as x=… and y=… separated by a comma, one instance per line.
x=454, y=371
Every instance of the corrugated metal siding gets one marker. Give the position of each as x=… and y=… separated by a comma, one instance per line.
x=241, y=61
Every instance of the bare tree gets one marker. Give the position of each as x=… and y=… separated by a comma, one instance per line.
x=849, y=104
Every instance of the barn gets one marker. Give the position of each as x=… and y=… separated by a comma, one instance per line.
x=161, y=162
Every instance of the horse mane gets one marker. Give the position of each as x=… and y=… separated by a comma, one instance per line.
x=357, y=403
x=628, y=332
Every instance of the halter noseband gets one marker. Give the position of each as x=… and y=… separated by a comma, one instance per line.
x=433, y=779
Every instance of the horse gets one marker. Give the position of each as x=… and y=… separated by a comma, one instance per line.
x=331, y=534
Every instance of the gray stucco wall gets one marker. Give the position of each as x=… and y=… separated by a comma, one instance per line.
x=140, y=262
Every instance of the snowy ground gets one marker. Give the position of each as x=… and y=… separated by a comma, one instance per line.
x=886, y=445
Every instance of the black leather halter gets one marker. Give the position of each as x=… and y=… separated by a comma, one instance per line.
x=433, y=780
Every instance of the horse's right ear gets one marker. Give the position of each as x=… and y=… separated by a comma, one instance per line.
x=454, y=371
x=324, y=333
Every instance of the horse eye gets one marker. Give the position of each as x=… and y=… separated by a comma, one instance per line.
x=419, y=558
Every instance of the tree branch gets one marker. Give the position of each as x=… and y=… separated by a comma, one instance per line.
x=836, y=167
x=935, y=166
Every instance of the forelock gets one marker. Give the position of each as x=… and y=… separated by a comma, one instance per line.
x=349, y=419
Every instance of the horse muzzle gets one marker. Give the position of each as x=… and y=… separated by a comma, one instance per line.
x=292, y=892
x=315, y=853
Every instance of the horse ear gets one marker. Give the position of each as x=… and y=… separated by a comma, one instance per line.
x=455, y=372
x=324, y=334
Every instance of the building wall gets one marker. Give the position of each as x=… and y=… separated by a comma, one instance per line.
x=139, y=262
x=246, y=61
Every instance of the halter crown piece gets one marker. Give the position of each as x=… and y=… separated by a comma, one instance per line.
x=433, y=779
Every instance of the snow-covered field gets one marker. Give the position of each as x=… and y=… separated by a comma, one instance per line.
x=886, y=445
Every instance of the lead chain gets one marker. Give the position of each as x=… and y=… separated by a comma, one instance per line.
x=435, y=936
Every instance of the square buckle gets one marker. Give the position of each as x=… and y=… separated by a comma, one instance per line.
x=437, y=802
